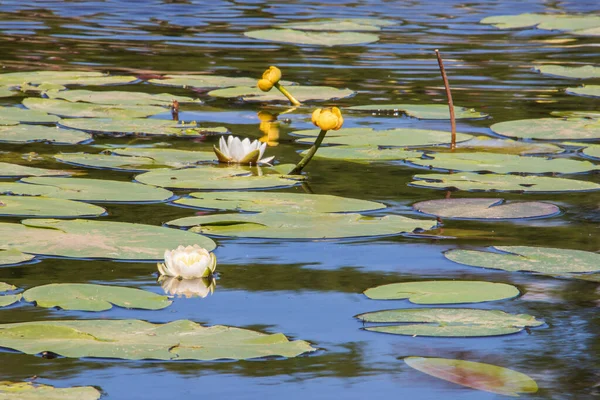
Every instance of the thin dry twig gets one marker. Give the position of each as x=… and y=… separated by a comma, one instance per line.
x=450, y=103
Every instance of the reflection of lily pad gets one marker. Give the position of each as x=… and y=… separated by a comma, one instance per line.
x=277, y=202
x=501, y=183
x=578, y=24
x=86, y=110
x=40, y=133
x=502, y=163
x=301, y=93
x=340, y=24
x=138, y=340
x=96, y=239
x=550, y=128
x=586, y=90
x=317, y=38
x=480, y=376
x=64, y=78
x=36, y=391
x=119, y=97
x=301, y=226
x=22, y=115
x=485, y=208
x=443, y=292
x=422, y=111
x=24, y=206
x=15, y=170
x=544, y=260
x=204, y=81
x=90, y=297
x=140, y=126
x=9, y=257
x=582, y=72
x=448, y=322
x=362, y=154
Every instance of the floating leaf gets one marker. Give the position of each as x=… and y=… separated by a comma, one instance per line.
x=480, y=376
x=205, y=81
x=108, y=161
x=139, y=340
x=40, y=133
x=503, y=146
x=592, y=151
x=586, y=90
x=301, y=93
x=6, y=92
x=362, y=154
x=277, y=202
x=170, y=157
x=23, y=206
x=562, y=22
x=9, y=257
x=443, y=292
x=577, y=114
x=448, y=322
x=545, y=260
x=502, y=163
x=82, y=238
x=15, y=170
x=140, y=126
x=501, y=183
x=313, y=38
x=473, y=208
x=7, y=300
x=340, y=24
x=115, y=97
x=582, y=72
x=549, y=128
x=422, y=111
x=36, y=391
x=301, y=225
x=22, y=115
x=86, y=110
x=63, y=78
x=90, y=297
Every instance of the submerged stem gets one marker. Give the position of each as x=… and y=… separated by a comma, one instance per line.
x=287, y=94
x=311, y=152
x=450, y=103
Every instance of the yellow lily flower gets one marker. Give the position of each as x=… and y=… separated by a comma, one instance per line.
x=328, y=118
x=270, y=78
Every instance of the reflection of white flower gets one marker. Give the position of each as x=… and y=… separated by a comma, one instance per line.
x=199, y=287
x=239, y=151
x=188, y=262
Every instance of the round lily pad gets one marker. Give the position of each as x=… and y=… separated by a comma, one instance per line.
x=448, y=322
x=23, y=115
x=277, y=202
x=82, y=238
x=214, y=178
x=502, y=163
x=443, y=292
x=318, y=38
x=204, y=81
x=87, y=110
x=586, y=90
x=36, y=391
x=108, y=161
x=16, y=170
x=301, y=225
x=422, y=111
x=581, y=72
x=9, y=257
x=140, y=126
x=577, y=114
x=301, y=93
x=115, y=97
x=169, y=157
x=562, y=22
x=550, y=129
x=545, y=260
x=40, y=133
x=139, y=340
x=24, y=206
x=340, y=24
x=64, y=78
x=501, y=183
x=475, y=375
x=592, y=151
x=6, y=92
x=503, y=146
x=91, y=297
x=9, y=299
x=486, y=209
x=363, y=154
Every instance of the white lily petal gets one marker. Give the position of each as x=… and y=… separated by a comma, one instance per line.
x=266, y=160
x=223, y=147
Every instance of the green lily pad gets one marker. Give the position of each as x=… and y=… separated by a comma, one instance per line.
x=501, y=183
x=577, y=114
x=586, y=90
x=9, y=299
x=16, y=170
x=139, y=340
x=204, y=81
x=582, y=72
x=545, y=260
x=90, y=297
x=422, y=111
x=392, y=137
x=108, y=161
x=36, y=391
x=503, y=146
x=40, y=133
x=480, y=376
x=9, y=257
x=502, y=163
x=340, y=24
x=592, y=151
x=5, y=287
x=64, y=78
x=82, y=238
x=485, y=208
x=448, y=322
x=168, y=157
x=301, y=225
x=550, y=129
x=115, y=97
x=561, y=22
x=24, y=206
x=301, y=93
x=6, y=92
x=363, y=154
x=277, y=202
x=318, y=38
x=443, y=292
x=215, y=178
x=140, y=126
x=85, y=189
x=41, y=88
x=87, y=110
x=22, y=115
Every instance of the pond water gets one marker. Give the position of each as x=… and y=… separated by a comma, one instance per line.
x=312, y=289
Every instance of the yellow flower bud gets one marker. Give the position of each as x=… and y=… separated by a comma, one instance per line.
x=273, y=74
x=328, y=118
x=265, y=85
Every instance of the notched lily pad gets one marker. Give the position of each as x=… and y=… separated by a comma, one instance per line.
x=27, y=116
x=108, y=161
x=16, y=170
x=301, y=93
x=493, y=209
x=9, y=257
x=364, y=154
x=87, y=110
x=40, y=133
x=581, y=72
x=23, y=206
x=340, y=24
x=63, y=78
x=316, y=38
x=421, y=111
x=205, y=81
x=140, y=126
x=550, y=129
x=91, y=297
x=502, y=146
x=577, y=24
x=114, y=97
x=7, y=299
x=36, y=391
x=586, y=90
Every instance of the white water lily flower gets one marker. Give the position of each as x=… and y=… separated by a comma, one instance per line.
x=188, y=262
x=199, y=287
x=239, y=151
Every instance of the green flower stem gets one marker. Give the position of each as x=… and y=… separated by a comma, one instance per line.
x=311, y=152
x=287, y=94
